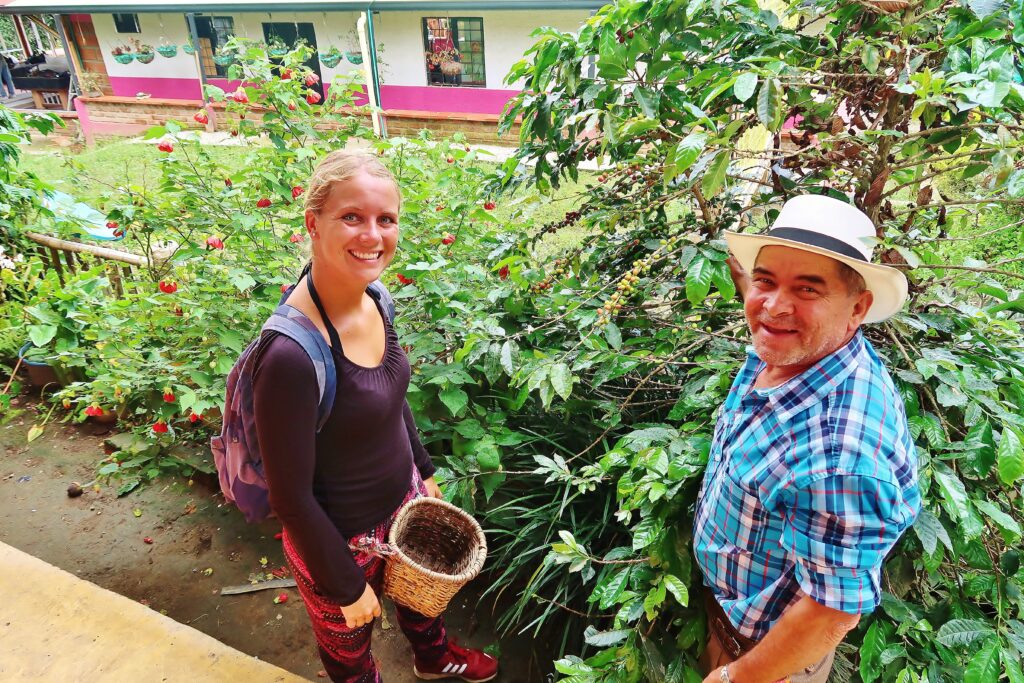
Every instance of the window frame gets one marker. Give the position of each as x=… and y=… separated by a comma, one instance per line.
x=215, y=37
x=119, y=23
x=453, y=26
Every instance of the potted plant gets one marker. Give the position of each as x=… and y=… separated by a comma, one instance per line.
x=188, y=48
x=331, y=57
x=122, y=54
x=447, y=60
x=144, y=53
x=223, y=57
x=167, y=49
x=277, y=47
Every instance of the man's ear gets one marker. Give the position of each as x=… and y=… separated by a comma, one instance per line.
x=860, y=308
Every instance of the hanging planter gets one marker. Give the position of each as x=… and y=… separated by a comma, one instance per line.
x=451, y=68
x=277, y=48
x=188, y=48
x=331, y=58
x=167, y=50
x=124, y=58
x=223, y=60
x=145, y=57
x=354, y=57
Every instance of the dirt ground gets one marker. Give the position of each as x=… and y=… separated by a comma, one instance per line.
x=198, y=546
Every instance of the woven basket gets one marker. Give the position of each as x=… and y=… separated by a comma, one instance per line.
x=451, y=68
x=436, y=550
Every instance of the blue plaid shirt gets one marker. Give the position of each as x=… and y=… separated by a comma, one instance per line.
x=808, y=486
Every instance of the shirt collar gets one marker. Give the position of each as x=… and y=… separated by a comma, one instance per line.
x=809, y=387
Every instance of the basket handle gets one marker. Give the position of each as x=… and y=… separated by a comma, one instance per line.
x=372, y=546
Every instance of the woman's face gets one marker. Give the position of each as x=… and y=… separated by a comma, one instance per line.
x=355, y=233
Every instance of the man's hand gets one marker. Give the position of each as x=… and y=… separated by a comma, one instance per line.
x=363, y=610
x=433, y=490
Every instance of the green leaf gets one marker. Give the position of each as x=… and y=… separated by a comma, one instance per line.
x=648, y=100
x=930, y=530
x=613, y=335
x=655, y=598
x=455, y=399
x=604, y=638
x=1015, y=184
x=1011, y=667
x=645, y=532
x=984, y=665
x=1010, y=457
x=561, y=379
x=870, y=56
x=949, y=396
x=714, y=177
x=508, y=352
x=698, y=280
x=960, y=632
x=34, y=432
x=41, y=335
x=870, y=652
x=677, y=588
x=689, y=150
x=770, y=104
x=953, y=493
x=998, y=517
x=614, y=587
x=745, y=86
x=983, y=8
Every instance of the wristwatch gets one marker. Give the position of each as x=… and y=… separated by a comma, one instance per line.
x=723, y=674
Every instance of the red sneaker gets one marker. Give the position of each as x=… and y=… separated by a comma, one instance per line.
x=472, y=666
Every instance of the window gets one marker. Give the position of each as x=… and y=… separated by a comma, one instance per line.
x=454, y=51
x=213, y=32
x=126, y=23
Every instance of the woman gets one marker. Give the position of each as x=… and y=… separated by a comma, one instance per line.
x=347, y=482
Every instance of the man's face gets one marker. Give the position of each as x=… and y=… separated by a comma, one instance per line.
x=799, y=309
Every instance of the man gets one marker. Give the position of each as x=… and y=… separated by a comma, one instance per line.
x=812, y=476
x=6, y=81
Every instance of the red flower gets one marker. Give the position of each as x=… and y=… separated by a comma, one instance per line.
x=278, y=536
x=291, y=106
x=286, y=74
x=503, y=273
x=313, y=97
x=227, y=182
x=284, y=288
x=119, y=233
x=201, y=117
x=147, y=540
x=214, y=243
x=160, y=427
x=282, y=597
x=296, y=191
x=448, y=239
x=450, y=160
x=234, y=132
x=165, y=147
x=112, y=225
x=311, y=80
x=94, y=410
x=296, y=238
x=194, y=417
x=489, y=206
x=168, y=395
x=178, y=311
x=168, y=286
x=263, y=203
x=405, y=280
x=439, y=207
x=240, y=96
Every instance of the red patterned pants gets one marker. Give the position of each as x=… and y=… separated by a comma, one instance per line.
x=345, y=651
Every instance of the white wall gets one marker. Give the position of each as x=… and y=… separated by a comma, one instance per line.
x=506, y=38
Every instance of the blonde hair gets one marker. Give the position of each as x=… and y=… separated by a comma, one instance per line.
x=339, y=166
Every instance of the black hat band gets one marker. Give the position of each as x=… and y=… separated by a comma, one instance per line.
x=816, y=239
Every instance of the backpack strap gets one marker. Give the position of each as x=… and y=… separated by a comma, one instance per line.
x=292, y=323
x=379, y=292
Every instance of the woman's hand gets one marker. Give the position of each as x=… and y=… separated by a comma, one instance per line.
x=363, y=610
x=433, y=490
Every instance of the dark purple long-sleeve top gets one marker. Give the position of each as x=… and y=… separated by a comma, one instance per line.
x=351, y=476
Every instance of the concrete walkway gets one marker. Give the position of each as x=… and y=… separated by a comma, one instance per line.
x=57, y=627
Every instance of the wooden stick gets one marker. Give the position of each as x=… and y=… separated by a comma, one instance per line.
x=13, y=373
x=101, y=252
x=253, y=587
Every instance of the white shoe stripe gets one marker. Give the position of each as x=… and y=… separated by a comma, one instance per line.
x=447, y=668
x=462, y=668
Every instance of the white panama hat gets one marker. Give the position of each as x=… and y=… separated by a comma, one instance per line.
x=833, y=228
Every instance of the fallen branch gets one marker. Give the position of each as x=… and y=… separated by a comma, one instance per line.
x=253, y=587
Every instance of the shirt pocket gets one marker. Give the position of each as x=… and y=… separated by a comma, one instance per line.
x=742, y=518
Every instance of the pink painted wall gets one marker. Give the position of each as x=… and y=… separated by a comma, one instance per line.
x=169, y=88
x=461, y=100
x=408, y=97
